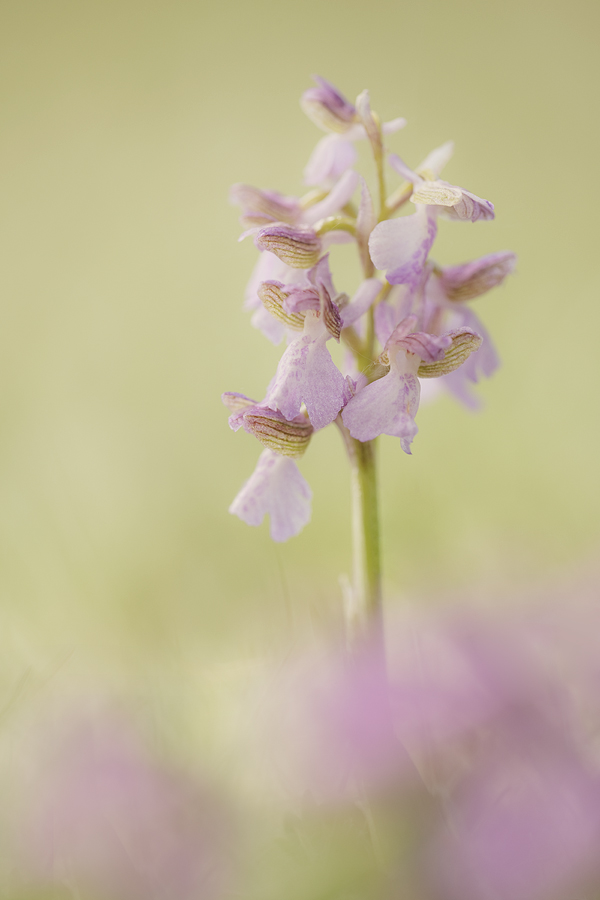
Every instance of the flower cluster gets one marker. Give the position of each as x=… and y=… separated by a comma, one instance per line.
x=411, y=322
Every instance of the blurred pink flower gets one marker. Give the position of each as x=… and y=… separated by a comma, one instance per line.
x=105, y=816
x=471, y=711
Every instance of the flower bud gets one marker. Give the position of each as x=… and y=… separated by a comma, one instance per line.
x=464, y=342
x=297, y=246
x=277, y=433
x=273, y=296
x=472, y=279
x=327, y=108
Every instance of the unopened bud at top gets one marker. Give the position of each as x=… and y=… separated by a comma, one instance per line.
x=297, y=246
x=327, y=108
x=470, y=280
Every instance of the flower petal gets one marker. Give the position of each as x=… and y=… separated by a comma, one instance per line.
x=401, y=246
x=470, y=280
x=460, y=345
x=452, y=201
x=338, y=196
x=332, y=156
x=298, y=246
x=386, y=406
x=361, y=302
x=307, y=374
x=435, y=161
x=327, y=107
x=276, y=487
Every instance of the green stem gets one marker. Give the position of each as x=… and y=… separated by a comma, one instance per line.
x=365, y=536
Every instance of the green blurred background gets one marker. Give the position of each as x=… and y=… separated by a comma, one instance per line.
x=123, y=124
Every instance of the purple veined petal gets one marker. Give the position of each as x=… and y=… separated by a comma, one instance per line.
x=435, y=161
x=429, y=347
x=235, y=402
x=307, y=374
x=361, y=302
x=400, y=246
x=472, y=279
x=300, y=299
x=402, y=329
x=276, y=488
x=298, y=246
x=403, y=170
x=332, y=156
x=386, y=406
x=261, y=207
x=340, y=194
x=452, y=201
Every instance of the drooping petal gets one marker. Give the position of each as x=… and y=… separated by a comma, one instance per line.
x=386, y=406
x=400, y=246
x=276, y=488
x=332, y=156
x=307, y=374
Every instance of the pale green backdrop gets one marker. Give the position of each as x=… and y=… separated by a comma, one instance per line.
x=123, y=124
